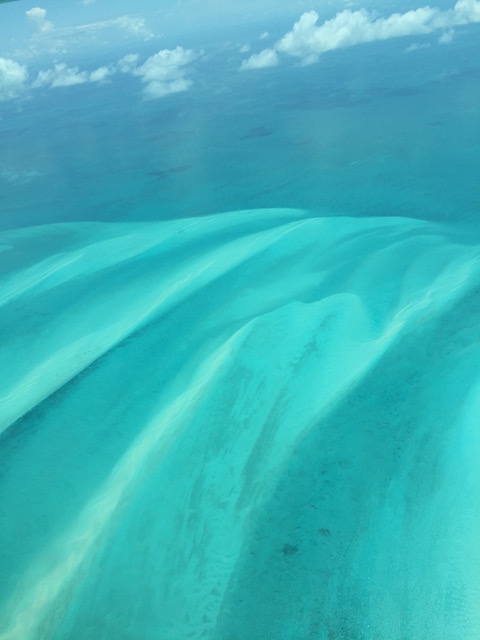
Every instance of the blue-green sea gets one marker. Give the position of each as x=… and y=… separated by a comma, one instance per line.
x=240, y=352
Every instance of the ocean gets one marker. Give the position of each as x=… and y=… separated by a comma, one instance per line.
x=240, y=352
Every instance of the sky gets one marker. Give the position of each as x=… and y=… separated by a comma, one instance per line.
x=44, y=46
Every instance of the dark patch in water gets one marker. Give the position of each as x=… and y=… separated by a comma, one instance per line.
x=164, y=173
x=301, y=143
x=257, y=132
x=435, y=123
x=323, y=531
x=403, y=92
x=289, y=549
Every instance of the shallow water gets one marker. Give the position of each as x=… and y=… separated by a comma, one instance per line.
x=261, y=423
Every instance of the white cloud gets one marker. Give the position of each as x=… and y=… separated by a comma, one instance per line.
x=245, y=49
x=39, y=17
x=63, y=76
x=60, y=76
x=166, y=72
x=13, y=77
x=467, y=11
x=416, y=46
x=446, y=37
x=266, y=58
x=264, y=35
x=128, y=63
x=308, y=39
x=36, y=14
x=101, y=74
x=131, y=25
x=136, y=26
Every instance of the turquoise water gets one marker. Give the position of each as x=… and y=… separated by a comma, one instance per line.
x=240, y=379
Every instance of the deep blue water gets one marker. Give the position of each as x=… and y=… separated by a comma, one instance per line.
x=367, y=131
x=240, y=353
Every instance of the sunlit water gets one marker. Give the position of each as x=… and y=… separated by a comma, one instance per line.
x=240, y=355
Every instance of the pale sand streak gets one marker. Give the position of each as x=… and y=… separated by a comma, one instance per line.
x=67, y=362
x=30, y=610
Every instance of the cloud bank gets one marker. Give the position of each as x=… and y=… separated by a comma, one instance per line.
x=467, y=11
x=135, y=26
x=308, y=40
x=166, y=72
x=162, y=74
x=131, y=25
x=128, y=63
x=266, y=58
x=39, y=17
x=13, y=77
x=63, y=76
